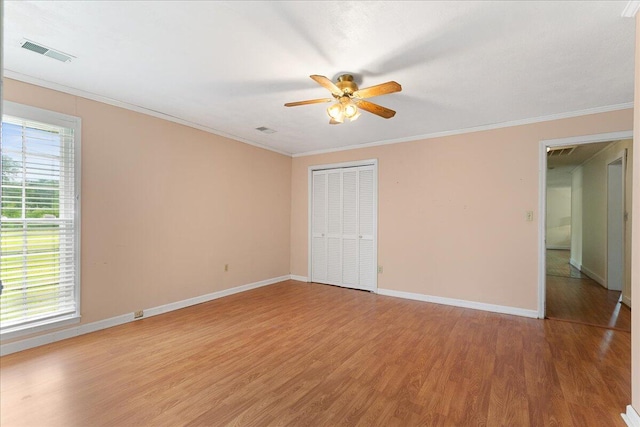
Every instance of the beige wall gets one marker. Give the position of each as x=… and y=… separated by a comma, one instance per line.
x=635, y=245
x=165, y=206
x=594, y=213
x=452, y=210
x=558, y=212
x=559, y=217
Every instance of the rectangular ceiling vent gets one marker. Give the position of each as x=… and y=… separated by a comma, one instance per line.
x=43, y=50
x=560, y=151
x=265, y=129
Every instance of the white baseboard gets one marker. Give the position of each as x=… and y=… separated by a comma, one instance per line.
x=631, y=417
x=28, y=343
x=559, y=248
x=626, y=301
x=593, y=276
x=461, y=303
x=575, y=263
x=299, y=278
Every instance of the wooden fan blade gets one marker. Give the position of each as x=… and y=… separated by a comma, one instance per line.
x=311, y=101
x=376, y=109
x=381, y=89
x=328, y=84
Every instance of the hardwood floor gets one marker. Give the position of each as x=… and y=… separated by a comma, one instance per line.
x=306, y=354
x=577, y=298
x=558, y=264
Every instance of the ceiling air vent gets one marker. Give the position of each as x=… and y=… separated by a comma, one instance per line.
x=264, y=129
x=560, y=151
x=42, y=50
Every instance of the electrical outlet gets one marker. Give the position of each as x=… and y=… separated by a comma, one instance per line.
x=138, y=314
x=529, y=215
x=380, y=269
x=226, y=267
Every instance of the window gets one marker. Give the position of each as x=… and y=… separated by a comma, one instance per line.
x=40, y=226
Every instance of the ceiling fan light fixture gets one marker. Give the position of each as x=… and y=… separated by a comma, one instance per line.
x=335, y=112
x=350, y=110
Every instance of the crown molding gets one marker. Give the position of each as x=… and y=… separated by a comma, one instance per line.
x=132, y=107
x=533, y=120
x=631, y=9
x=100, y=98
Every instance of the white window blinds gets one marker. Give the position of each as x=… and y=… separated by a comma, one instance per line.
x=39, y=227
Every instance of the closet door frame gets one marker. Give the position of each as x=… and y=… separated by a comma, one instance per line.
x=311, y=169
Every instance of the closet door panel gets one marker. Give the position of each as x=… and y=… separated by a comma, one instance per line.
x=319, y=227
x=350, y=228
x=319, y=263
x=334, y=261
x=366, y=218
x=334, y=227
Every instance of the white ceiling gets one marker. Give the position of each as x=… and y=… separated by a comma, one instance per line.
x=578, y=156
x=559, y=168
x=229, y=67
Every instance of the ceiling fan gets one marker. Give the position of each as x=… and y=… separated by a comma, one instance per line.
x=349, y=98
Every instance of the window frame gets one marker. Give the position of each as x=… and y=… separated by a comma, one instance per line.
x=55, y=118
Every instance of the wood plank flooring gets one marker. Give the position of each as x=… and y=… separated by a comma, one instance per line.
x=575, y=297
x=315, y=355
x=558, y=264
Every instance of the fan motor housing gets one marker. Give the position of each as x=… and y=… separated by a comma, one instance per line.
x=346, y=84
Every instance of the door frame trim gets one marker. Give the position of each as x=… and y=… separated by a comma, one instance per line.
x=622, y=157
x=542, y=199
x=342, y=165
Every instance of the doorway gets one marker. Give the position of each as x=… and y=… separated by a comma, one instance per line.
x=580, y=251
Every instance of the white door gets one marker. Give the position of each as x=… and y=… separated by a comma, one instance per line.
x=366, y=217
x=343, y=222
x=334, y=227
x=319, y=228
x=615, y=225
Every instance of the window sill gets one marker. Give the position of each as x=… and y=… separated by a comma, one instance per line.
x=44, y=325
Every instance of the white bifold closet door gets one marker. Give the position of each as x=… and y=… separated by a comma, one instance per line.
x=343, y=227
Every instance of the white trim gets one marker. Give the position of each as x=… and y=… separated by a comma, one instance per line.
x=356, y=163
x=626, y=301
x=587, y=272
x=353, y=164
x=533, y=120
x=503, y=309
x=309, y=219
x=44, y=325
x=587, y=139
x=542, y=202
x=132, y=107
x=299, y=278
x=542, y=230
x=28, y=343
x=36, y=114
x=28, y=112
x=630, y=9
x=575, y=264
x=110, y=101
x=631, y=417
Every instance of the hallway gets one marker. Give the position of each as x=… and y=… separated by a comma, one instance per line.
x=572, y=296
